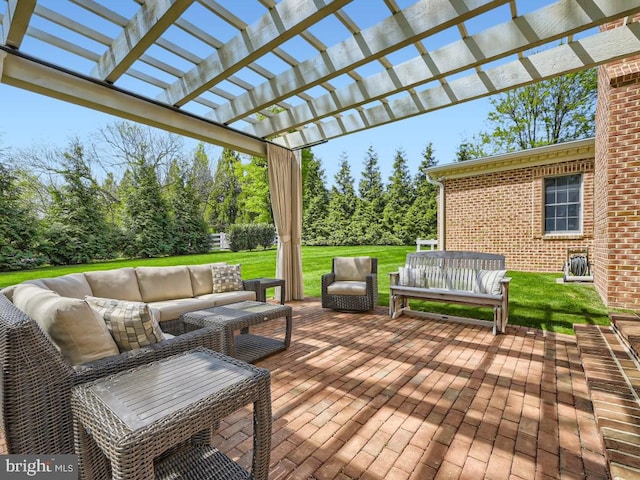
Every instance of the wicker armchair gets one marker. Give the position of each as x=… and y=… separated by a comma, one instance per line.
x=352, y=285
x=36, y=380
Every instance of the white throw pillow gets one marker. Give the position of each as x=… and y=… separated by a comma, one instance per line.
x=132, y=324
x=412, y=277
x=488, y=281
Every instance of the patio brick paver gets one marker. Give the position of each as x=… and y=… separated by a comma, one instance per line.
x=363, y=396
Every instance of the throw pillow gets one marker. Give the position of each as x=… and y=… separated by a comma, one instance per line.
x=131, y=324
x=412, y=277
x=488, y=281
x=226, y=278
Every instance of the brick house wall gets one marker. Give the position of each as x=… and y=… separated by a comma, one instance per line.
x=617, y=168
x=502, y=212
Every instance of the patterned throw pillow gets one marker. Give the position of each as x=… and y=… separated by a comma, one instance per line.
x=412, y=277
x=131, y=323
x=226, y=278
x=488, y=281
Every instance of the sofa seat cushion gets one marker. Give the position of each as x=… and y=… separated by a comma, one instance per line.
x=172, y=309
x=347, y=288
x=351, y=268
x=164, y=283
x=230, y=297
x=120, y=284
x=202, y=278
x=166, y=310
x=132, y=324
x=74, y=285
x=75, y=328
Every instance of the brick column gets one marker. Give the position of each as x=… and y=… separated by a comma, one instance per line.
x=617, y=184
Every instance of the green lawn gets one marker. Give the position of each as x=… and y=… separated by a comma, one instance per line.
x=535, y=299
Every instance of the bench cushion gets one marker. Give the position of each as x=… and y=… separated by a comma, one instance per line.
x=412, y=276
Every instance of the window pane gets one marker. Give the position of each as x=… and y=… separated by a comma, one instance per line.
x=573, y=210
x=550, y=212
x=561, y=225
x=574, y=196
x=562, y=197
x=561, y=211
x=549, y=225
x=573, y=224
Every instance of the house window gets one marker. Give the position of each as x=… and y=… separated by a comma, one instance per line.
x=563, y=204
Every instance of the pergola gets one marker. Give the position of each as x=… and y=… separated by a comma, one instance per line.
x=268, y=77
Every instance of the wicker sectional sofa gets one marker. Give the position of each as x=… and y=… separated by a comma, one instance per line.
x=40, y=358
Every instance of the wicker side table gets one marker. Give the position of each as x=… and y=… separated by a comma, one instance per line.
x=240, y=316
x=136, y=418
x=260, y=285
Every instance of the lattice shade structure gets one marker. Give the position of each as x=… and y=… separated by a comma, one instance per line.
x=297, y=72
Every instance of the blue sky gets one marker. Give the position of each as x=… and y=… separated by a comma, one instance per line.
x=31, y=119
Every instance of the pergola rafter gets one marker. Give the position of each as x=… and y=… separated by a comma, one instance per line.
x=563, y=59
x=307, y=70
x=528, y=31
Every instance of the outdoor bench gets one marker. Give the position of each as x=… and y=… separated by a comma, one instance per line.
x=467, y=278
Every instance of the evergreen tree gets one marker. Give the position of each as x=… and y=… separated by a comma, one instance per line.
x=400, y=196
x=367, y=221
x=201, y=176
x=342, y=205
x=147, y=224
x=254, y=201
x=18, y=226
x=189, y=227
x=315, y=200
x=223, y=202
x=76, y=226
x=423, y=212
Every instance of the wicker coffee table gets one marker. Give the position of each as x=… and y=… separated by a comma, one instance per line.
x=240, y=316
x=130, y=422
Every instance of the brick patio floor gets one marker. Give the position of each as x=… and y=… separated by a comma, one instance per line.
x=363, y=396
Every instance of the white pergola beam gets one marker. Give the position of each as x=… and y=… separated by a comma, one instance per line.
x=144, y=28
x=16, y=21
x=28, y=74
x=588, y=52
x=286, y=20
x=529, y=31
x=418, y=21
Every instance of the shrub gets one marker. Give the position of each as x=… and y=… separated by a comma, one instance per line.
x=248, y=236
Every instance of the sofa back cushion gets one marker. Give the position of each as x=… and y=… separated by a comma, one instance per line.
x=164, y=283
x=202, y=278
x=74, y=285
x=8, y=291
x=121, y=284
x=75, y=328
x=351, y=268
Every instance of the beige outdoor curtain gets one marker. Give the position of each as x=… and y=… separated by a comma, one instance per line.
x=285, y=187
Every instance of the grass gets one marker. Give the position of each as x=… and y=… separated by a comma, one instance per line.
x=535, y=299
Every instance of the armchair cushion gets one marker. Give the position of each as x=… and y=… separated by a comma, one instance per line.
x=347, y=287
x=351, y=268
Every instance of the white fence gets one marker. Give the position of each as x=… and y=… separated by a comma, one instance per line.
x=219, y=241
x=423, y=242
